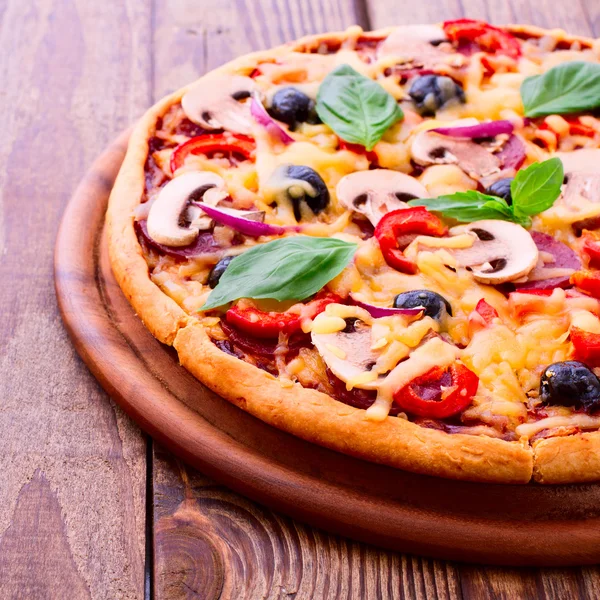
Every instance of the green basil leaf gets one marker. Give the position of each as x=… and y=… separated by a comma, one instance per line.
x=291, y=268
x=467, y=206
x=357, y=108
x=536, y=188
x=566, y=88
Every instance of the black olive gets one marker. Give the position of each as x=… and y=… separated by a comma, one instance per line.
x=292, y=106
x=435, y=305
x=570, y=383
x=317, y=200
x=218, y=270
x=501, y=188
x=431, y=92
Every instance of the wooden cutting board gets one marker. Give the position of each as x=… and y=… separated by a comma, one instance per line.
x=486, y=523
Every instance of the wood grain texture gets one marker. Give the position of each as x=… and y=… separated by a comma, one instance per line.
x=72, y=496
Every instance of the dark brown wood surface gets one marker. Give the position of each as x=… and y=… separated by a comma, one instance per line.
x=73, y=493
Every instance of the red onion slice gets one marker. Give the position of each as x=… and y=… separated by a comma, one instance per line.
x=564, y=258
x=242, y=224
x=383, y=311
x=262, y=117
x=512, y=154
x=482, y=130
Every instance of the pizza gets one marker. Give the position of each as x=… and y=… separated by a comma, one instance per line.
x=386, y=243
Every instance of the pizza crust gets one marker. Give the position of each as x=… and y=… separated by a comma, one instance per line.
x=306, y=413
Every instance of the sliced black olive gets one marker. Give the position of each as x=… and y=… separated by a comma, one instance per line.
x=501, y=188
x=435, y=305
x=292, y=106
x=570, y=383
x=431, y=92
x=218, y=270
x=317, y=199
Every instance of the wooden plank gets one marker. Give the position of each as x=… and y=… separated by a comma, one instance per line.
x=73, y=467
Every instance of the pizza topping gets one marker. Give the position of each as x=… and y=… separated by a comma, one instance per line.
x=348, y=352
x=557, y=262
x=217, y=271
x=220, y=102
x=416, y=46
x=432, y=92
x=488, y=129
x=262, y=117
x=269, y=324
x=377, y=192
x=357, y=108
x=300, y=185
x=570, y=383
x=466, y=32
x=581, y=176
x=502, y=251
x=224, y=144
x=430, y=148
x=440, y=393
x=433, y=304
x=292, y=106
x=400, y=223
x=385, y=311
x=501, y=188
x=167, y=222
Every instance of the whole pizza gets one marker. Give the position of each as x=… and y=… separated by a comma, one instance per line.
x=386, y=243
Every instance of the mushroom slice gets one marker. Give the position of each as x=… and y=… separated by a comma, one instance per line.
x=215, y=103
x=167, y=217
x=348, y=353
x=582, y=175
x=430, y=148
x=377, y=192
x=502, y=252
x=416, y=45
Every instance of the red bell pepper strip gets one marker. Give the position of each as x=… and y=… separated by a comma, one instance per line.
x=263, y=324
x=225, y=143
x=358, y=149
x=590, y=247
x=486, y=311
x=439, y=393
x=487, y=37
x=402, y=222
x=586, y=346
x=587, y=281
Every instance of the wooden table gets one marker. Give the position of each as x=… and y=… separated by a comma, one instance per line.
x=89, y=507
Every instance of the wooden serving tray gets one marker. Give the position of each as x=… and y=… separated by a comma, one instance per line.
x=485, y=523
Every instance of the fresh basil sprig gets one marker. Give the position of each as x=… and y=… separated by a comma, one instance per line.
x=567, y=88
x=357, y=108
x=291, y=268
x=533, y=190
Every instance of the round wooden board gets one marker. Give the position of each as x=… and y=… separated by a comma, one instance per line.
x=486, y=523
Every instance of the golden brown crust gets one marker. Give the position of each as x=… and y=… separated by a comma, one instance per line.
x=307, y=413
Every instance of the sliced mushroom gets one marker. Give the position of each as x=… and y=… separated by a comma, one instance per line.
x=582, y=175
x=430, y=148
x=168, y=222
x=502, y=252
x=216, y=103
x=377, y=192
x=348, y=353
x=416, y=46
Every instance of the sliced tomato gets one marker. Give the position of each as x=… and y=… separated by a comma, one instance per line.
x=358, y=149
x=590, y=246
x=237, y=146
x=263, y=324
x=417, y=220
x=439, y=393
x=586, y=346
x=587, y=281
x=487, y=37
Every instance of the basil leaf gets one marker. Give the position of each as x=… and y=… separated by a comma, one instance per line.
x=467, y=206
x=537, y=187
x=566, y=88
x=291, y=268
x=357, y=108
